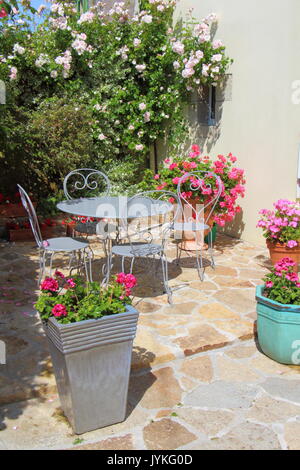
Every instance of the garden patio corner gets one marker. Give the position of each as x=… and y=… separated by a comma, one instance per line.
x=198, y=378
x=149, y=225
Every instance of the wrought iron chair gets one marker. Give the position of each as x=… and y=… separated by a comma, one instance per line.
x=77, y=249
x=196, y=217
x=151, y=240
x=77, y=183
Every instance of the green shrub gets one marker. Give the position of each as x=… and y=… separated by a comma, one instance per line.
x=50, y=142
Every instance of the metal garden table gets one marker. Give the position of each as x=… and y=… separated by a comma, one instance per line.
x=114, y=208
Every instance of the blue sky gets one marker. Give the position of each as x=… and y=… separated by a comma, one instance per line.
x=37, y=3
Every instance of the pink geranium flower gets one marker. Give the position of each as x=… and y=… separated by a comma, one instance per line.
x=292, y=243
x=59, y=274
x=50, y=284
x=128, y=281
x=71, y=283
x=59, y=310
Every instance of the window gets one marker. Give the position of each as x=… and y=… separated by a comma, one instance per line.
x=204, y=105
x=207, y=103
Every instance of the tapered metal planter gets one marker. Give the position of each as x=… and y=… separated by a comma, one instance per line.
x=91, y=361
x=278, y=328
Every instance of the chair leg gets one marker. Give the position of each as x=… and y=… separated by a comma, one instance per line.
x=87, y=266
x=50, y=263
x=131, y=264
x=200, y=267
x=168, y=290
x=106, y=270
x=211, y=252
x=42, y=267
x=178, y=253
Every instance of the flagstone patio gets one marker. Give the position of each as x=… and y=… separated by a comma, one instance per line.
x=198, y=378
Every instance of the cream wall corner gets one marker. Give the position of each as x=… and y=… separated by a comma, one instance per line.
x=260, y=125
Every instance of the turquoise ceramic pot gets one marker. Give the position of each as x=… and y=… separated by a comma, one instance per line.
x=278, y=328
x=213, y=234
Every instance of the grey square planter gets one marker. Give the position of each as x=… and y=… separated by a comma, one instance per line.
x=91, y=361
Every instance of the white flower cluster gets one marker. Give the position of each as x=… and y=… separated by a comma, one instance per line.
x=87, y=17
x=80, y=45
x=65, y=61
x=59, y=23
x=17, y=49
x=58, y=8
x=178, y=47
x=42, y=60
x=161, y=5
x=190, y=63
x=140, y=67
x=13, y=73
x=202, y=30
x=123, y=52
x=119, y=10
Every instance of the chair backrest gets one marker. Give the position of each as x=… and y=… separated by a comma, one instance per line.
x=209, y=185
x=28, y=206
x=93, y=181
x=148, y=217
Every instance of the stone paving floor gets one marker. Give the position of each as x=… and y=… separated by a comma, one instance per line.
x=198, y=381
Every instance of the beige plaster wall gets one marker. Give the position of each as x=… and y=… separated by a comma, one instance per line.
x=260, y=124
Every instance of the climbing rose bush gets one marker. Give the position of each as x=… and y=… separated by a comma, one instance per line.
x=282, y=284
x=173, y=170
x=132, y=74
x=282, y=224
x=70, y=300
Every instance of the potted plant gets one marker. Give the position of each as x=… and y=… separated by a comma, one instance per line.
x=173, y=168
x=11, y=206
x=90, y=331
x=281, y=228
x=78, y=225
x=278, y=313
x=21, y=230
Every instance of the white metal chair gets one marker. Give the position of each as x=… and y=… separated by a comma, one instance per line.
x=80, y=181
x=78, y=249
x=195, y=217
x=148, y=241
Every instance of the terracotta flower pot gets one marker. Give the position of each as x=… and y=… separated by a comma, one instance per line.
x=280, y=250
x=13, y=210
x=193, y=241
x=25, y=234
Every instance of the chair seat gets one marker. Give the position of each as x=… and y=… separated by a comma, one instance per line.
x=190, y=226
x=65, y=244
x=137, y=249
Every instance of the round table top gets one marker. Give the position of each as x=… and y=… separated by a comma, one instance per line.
x=115, y=207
